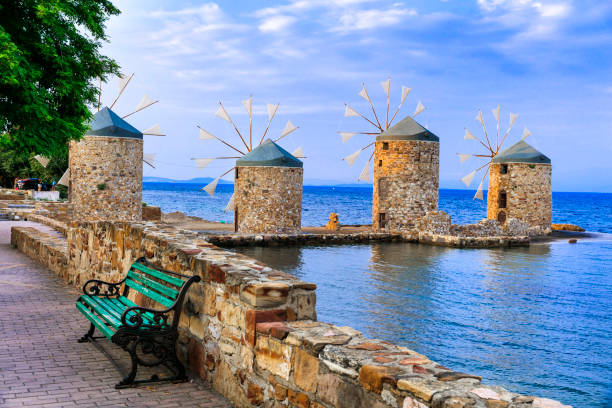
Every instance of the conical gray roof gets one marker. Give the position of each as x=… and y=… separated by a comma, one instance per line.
x=408, y=129
x=521, y=152
x=107, y=123
x=269, y=154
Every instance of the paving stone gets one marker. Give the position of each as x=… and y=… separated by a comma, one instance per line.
x=41, y=363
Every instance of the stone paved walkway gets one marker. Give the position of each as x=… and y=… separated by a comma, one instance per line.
x=41, y=363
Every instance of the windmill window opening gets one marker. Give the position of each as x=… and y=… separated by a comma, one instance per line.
x=380, y=163
x=236, y=174
x=385, y=146
x=502, y=200
x=503, y=169
x=382, y=220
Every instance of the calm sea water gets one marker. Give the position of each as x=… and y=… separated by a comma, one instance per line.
x=535, y=320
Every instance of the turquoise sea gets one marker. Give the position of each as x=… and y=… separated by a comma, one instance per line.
x=535, y=320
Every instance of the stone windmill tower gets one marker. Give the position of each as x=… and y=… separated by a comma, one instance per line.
x=268, y=191
x=268, y=179
x=104, y=173
x=406, y=165
x=406, y=175
x=520, y=186
x=106, y=170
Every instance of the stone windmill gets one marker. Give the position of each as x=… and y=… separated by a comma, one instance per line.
x=268, y=179
x=105, y=167
x=519, y=176
x=406, y=165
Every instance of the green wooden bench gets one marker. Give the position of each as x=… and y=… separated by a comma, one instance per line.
x=148, y=334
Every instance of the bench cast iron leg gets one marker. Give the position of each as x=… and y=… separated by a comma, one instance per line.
x=129, y=379
x=88, y=335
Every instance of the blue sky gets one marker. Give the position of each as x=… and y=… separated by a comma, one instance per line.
x=548, y=61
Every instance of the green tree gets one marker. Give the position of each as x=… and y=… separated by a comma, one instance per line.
x=49, y=62
x=15, y=165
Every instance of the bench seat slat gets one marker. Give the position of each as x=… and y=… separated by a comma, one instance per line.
x=165, y=290
x=122, y=300
x=147, y=316
x=101, y=311
x=108, y=306
x=95, y=320
x=149, y=292
x=159, y=275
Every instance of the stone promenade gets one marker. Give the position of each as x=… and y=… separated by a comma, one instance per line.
x=41, y=363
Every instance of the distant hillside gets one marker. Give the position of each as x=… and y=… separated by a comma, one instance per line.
x=197, y=180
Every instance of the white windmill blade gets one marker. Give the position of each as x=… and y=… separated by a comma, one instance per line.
x=123, y=81
x=149, y=158
x=289, y=127
x=526, y=134
x=478, y=194
x=154, y=130
x=364, y=94
x=405, y=92
x=65, y=179
x=469, y=135
x=205, y=135
x=248, y=105
x=230, y=204
x=346, y=136
x=420, y=108
x=496, y=113
x=271, y=110
x=299, y=153
x=467, y=180
x=202, y=163
x=513, y=117
x=386, y=85
x=365, y=174
x=350, y=112
x=222, y=113
x=479, y=118
x=212, y=186
x=144, y=102
x=42, y=160
x=463, y=157
x=350, y=159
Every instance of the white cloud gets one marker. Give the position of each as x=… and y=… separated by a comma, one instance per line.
x=372, y=18
x=276, y=23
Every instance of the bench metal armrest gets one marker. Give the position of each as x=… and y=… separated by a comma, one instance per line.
x=159, y=316
x=96, y=287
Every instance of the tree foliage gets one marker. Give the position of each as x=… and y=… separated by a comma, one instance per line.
x=14, y=165
x=49, y=64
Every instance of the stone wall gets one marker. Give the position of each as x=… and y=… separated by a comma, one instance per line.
x=406, y=179
x=106, y=178
x=528, y=194
x=251, y=331
x=268, y=199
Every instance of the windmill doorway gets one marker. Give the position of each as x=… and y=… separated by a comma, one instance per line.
x=382, y=220
x=236, y=219
x=501, y=217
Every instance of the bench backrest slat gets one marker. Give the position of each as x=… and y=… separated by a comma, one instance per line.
x=159, y=275
x=159, y=298
x=163, y=289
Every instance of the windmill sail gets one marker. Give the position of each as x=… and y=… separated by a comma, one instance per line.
x=212, y=186
x=420, y=108
x=248, y=105
x=222, y=113
x=526, y=134
x=364, y=94
x=299, y=153
x=144, y=102
x=350, y=159
x=205, y=135
x=271, y=110
x=478, y=194
x=350, y=112
x=202, y=163
x=42, y=160
x=386, y=85
x=469, y=135
x=405, y=92
x=230, y=204
x=289, y=127
x=346, y=136
x=154, y=130
x=496, y=113
x=365, y=175
x=149, y=158
x=467, y=180
x=65, y=179
x=464, y=157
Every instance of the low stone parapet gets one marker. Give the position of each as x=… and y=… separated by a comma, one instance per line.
x=49, y=250
x=251, y=330
x=237, y=240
